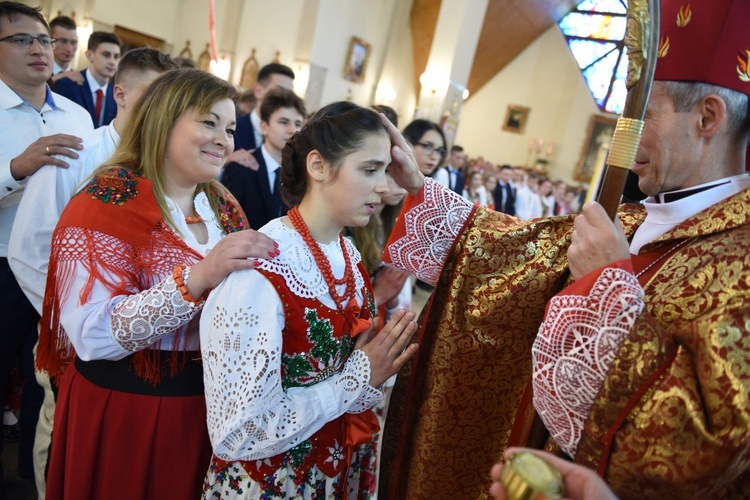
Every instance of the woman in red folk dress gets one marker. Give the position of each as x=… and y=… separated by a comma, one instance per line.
x=291, y=369
x=129, y=267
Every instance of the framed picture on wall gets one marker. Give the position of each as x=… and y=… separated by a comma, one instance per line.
x=356, y=60
x=596, y=145
x=515, y=119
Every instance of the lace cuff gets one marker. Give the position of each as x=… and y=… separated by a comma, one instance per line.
x=141, y=319
x=577, y=343
x=430, y=226
x=370, y=396
x=249, y=415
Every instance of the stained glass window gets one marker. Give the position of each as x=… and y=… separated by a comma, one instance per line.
x=594, y=31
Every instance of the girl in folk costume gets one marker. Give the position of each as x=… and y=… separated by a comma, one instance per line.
x=129, y=268
x=291, y=368
x=391, y=291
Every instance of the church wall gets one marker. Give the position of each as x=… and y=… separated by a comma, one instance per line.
x=337, y=22
x=546, y=79
x=147, y=16
x=398, y=67
x=191, y=23
x=269, y=27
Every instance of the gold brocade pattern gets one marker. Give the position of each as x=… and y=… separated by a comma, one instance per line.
x=688, y=435
x=453, y=406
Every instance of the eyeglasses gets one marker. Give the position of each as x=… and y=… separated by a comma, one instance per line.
x=430, y=148
x=27, y=41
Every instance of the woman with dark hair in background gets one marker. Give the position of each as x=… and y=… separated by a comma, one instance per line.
x=428, y=141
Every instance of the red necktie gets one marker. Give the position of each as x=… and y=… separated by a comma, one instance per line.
x=98, y=108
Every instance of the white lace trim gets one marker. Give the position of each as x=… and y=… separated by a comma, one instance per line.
x=141, y=319
x=250, y=416
x=575, y=346
x=431, y=228
x=297, y=265
x=370, y=395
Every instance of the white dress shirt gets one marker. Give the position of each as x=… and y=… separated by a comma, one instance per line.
x=255, y=120
x=46, y=194
x=94, y=86
x=662, y=217
x=271, y=166
x=528, y=204
x=57, y=69
x=480, y=196
x=442, y=176
x=21, y=125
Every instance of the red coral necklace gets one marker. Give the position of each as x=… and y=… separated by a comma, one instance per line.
x=323, y=263
x=346, y=303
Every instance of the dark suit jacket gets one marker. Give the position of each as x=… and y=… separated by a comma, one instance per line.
x=253, y=192
x=458, y=187
x=510, y=200
x=244, y=133
x=81, y=94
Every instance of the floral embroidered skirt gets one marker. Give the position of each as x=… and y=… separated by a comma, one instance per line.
x=232, y=481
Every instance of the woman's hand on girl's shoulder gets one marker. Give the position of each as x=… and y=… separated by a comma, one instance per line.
x=234, y=252
x=390, y=348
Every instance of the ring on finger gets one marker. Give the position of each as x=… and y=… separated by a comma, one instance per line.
x=46, y=148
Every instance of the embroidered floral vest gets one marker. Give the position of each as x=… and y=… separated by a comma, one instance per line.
x=317, y=344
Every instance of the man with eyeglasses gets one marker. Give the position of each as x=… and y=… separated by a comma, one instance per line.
x=36, y=129
x=64, y=31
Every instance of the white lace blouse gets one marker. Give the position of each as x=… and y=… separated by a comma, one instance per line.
x=114, y=327
x=250, y=415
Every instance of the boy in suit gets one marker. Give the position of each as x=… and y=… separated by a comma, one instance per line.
x=270, y=76
x=63, y=30
x=282, y=113
x=96, y=94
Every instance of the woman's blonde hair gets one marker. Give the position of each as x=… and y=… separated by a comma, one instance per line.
x=144, y=140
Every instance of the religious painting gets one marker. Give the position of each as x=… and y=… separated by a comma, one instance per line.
x=356, y=60
x=515, y=119
x=596, y=146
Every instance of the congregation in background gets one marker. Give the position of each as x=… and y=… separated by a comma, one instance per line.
x=521, y=191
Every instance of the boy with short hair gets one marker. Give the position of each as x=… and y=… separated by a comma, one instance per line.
x=63, y=29
x=96, y=94
x=270, y=76
x=282, y=113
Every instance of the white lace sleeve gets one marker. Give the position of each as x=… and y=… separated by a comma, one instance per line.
x=370, y=395
x=141, y=319
x=107, y=327
x=576, y=344
x=250, y=416
x=431, y=228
